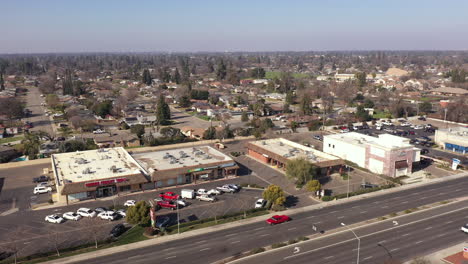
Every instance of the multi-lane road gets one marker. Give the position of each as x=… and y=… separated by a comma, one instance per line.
x=213, y=246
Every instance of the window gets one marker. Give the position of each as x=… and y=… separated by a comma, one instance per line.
x=329, y=145
x=171, y=182
x=333, y=146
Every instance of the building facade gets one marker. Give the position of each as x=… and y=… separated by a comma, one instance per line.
x=389, y=155
x=454, y=139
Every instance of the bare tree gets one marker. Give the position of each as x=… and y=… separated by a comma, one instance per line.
x=130, y=93
x=55, y=238
x=93, y=229
x=13, y=244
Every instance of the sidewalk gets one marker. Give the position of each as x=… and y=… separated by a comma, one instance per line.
x=439, y=256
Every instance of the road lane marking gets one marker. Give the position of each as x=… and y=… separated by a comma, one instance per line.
x=264, y=235
x=458, y=190
x=441, y=193
x=340, y=217
x=427, y=228
x=449, y=222
x=369, y=257
x=260, y=228
x=234, y=242
x=204, y=249
x=292, y=228
x=201, y=241
x=332, y=212
x=310, y=217
x=356, y=206
x=407, y=234
x=383, y=241
x=231, y=234
x=424, y=197
x=363, y=212
x=404, y=202
x=167, y=249
x=171, y=257
x=418, y=242
x=329, y=257
x=385, y=206
x=395, y=249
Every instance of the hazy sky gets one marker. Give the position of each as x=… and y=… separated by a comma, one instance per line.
x=234, y=25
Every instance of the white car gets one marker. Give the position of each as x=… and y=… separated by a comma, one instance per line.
x=86, y=212
x=201, y=192
x=71, y=216
x=121, y=212
x=130, y=203
x=260, y=203
x=109, y=215
x=405, y=124
x=214, y=192
x=344, y=130
x=42, y=189
x=387, y=122
x=43, y=184
x=226, y=188
x=465, y=228
x=181, y=202
x=418, y=127
x=55, y=219
x=98, y=131
x=206, y=198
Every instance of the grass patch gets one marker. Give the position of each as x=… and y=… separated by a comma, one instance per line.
x=393, y=214
x=303, y=238
x=278, y=245
x=132, y=235
x=257, y=250
x=381, y=114
x=444, y=202
x=10, y=139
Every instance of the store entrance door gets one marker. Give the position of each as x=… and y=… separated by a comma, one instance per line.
x=105, y=191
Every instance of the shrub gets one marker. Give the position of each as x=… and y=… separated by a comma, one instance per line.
x=313, y=186
x=292, y=241
x=138, y=214
x=149, y=231
x=257, y=250
x=278, y=245
x=302, y=238
x=327, y=198
x=278, y=207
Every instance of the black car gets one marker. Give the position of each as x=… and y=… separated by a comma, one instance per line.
x=424, y=151
x=118, y=230
x=317, y=137
x=368, y=185
x=39, y=179
x=426, y=138
x=162, y=222
x=422, y=118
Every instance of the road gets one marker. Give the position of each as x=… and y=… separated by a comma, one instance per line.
x=38, y=118
x=213, y=246
x=412, y=235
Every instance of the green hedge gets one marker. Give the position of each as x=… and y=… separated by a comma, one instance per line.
x=361, y=191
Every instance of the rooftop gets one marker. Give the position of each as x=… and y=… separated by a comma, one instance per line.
x=181, y=157
x=95, y=165
x=383, y=141
x=291, y=150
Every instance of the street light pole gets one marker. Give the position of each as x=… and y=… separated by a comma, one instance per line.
x=388, y=252
x=358, y=239
x=445, y=117
x=178, y=222
x=347, y=194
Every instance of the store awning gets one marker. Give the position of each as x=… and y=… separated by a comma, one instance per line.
x=196, y=173
x=401, y=164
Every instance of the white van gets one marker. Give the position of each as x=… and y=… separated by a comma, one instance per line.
x=42, y=189
x=188, y=194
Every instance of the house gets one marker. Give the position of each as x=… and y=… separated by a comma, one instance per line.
x=450, y=91
x=343, y=77
x=146, y=119
x=260, y=81
x=192, y=132
x=116, y=140
x=246, y=82
x=131, y=121
x=396, y=72
x=201, y=107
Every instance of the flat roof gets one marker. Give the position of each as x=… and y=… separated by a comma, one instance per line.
x=386, y=141
x=291, y=150
x=181, y=157
x=94, y=165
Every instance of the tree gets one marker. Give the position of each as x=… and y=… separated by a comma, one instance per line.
x=11, y=107
x=102, y=109
x=361, y=79
x=31, y=143
x=226, y=132
x=65, y=131
x=163, y=112
x=170, y=132
x=221, y=70
x=294, y=126
x=274, y=194
x=289, y=98
x=67, y=82
x=76, y=145
x=313, y=185
x=184, y=101
x=244, y=117
x=306, y=105
x=286, y=108
x=2, y=82
x=210, y=133
x=138, y=130
x=146, y=77
x=368, y=103
x=176, y=77
x=300, y=170
x=420, y=261
x=138, y=214
x=257, y=73
x=362, y=114
x=425, y=107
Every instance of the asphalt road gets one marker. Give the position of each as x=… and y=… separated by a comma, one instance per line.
x=413, y=235
x=38, y=118
x=229, y=242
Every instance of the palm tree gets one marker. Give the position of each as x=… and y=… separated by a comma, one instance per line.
x=65, y=131
x=31, y=143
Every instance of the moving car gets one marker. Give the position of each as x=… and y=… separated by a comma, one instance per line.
x=278, y=219
x=167, y=204
x=108, y=215
x=86, y=212
x=465, y=228
x=118, y=230
x=42, y=189
x=130, y=203
x=162, y=221
x=260, y=203
x=207, y=198
x=169, y=196
x=71, y=216
x=55, y=219
x=41, y=178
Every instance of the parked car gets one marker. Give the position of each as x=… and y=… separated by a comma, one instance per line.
x=162, y=221
x=118, y=230
x=387, y=123
x=317, y=137
x=41, y=178
x=99, y=131
x=130, y=203
x=411, y=132
x=121, y=213
x=424, y=151
x=417, y=127
x=213, y=192
x=167, y=204
x=86, y=212
x=188, y=194
x=108, y=215
x=260, y=203
x=346, y=130
x=42, y=189
x=225, y=188
x=465, y=228
x=235, y=187
x=278, y=219
x=422, y=118
x=368, y=185
x=43, y=184
x=207, y=198
x=55, y=219
x=101, y=209
x=169, y=196
x=405, y=124
x=181, y=202
x=201, y=192
x=72, y=216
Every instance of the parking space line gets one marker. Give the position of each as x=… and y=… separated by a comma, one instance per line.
x=234, y=242
x=363, y=212
x=395, y=249
x=203, y=249
x=260, y=228
x=292, y=228
x=201, y=241
x=312, y=216
x=264, y=235
x=171, y=257
x=231, y=234
x=418, y=242
x=167, y=249
x=427, y=228
x=329, y=257
x=340, y=217
x=369, y=257
x=407, y=234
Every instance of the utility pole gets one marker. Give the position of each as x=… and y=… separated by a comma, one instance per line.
x=445, y=117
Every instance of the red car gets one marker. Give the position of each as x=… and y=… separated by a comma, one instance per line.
x=167, y=204
x=169, y=196
x=278, y=219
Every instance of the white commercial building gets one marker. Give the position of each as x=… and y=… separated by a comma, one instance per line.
x=454, y=139
x=387, y=154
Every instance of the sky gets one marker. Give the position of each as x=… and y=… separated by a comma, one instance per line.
x=43, y=26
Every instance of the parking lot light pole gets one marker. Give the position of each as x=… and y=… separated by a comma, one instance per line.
x=347, y=194
x=358, y=239
x=178, y=222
